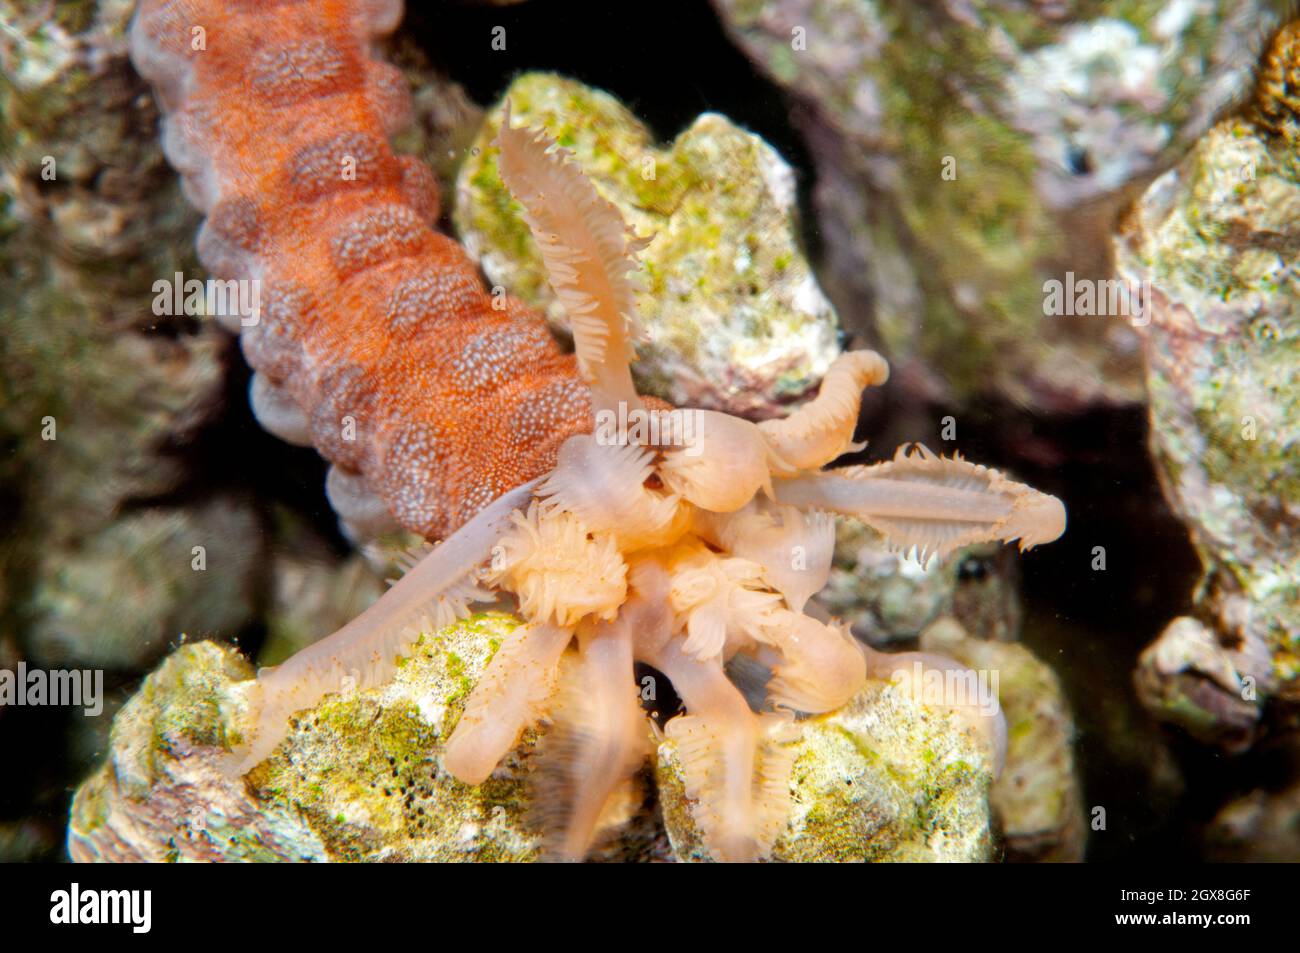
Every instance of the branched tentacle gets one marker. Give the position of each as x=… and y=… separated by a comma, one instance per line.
x=822, y=429
x=735, y=763
x=510, y=697
x=588, y=252
x=727, y=464
x=821, y=666
x=363, y=653
x=604, y=487
x=930, y=503
x=793, y=548
x=599, y=739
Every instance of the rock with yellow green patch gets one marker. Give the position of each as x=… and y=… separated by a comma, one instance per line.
x=735, y=318
x=1036, y=799
x=883, y=779
x=359, y=777
x=1216, y=240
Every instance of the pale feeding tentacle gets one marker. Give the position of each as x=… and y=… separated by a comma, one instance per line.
x=931, y=504
x=735, y=764
x=603, y=485
x=728, y=462
x=822, y=429
x=717, y=600
x=558, y=569
x=648, y=613
x=510, y=697
x=589, y=254
x=820, y=667
x=793, y=548
x=363, y=653
x=598, y=740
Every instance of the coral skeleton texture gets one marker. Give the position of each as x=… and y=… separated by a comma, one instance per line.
x=472, y=427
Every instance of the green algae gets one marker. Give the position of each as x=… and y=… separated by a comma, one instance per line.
x=881, y=780
x=734, y=315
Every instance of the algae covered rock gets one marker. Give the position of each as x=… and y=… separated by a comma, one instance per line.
x=968, y=152
x=885, y=597
x=160, y=795
x=890, y=598
x=883, y=779
x=1186, y=677
x=1037, y=799
x=735, y=318
x=359, y=777
x=1215, y=240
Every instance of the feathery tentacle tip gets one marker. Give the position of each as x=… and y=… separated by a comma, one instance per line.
x=1038, y=518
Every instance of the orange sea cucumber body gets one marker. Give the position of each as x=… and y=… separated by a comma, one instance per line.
x=376, y=338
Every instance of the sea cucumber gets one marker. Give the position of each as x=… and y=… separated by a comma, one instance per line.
x=472, y=427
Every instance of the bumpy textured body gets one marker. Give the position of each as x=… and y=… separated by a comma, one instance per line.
x=376, y=340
